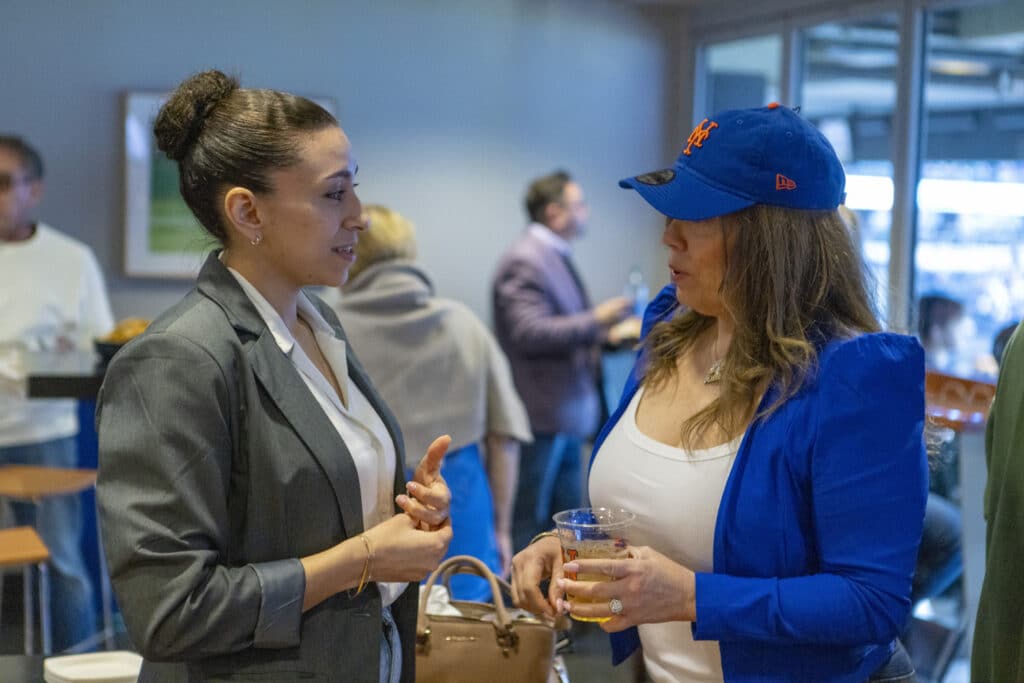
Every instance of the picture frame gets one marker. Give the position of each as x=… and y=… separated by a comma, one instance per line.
x=162, y=239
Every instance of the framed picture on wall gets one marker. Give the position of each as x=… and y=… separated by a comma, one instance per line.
x=162, y=238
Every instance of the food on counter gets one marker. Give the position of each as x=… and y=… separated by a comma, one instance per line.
x=125, y=330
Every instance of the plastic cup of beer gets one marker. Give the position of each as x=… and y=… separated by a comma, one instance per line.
x=592, y=534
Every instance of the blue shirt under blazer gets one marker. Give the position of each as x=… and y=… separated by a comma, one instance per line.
x=820, y=519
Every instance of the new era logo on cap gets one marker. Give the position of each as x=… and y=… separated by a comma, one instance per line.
x=784, y=183
x=738, y=158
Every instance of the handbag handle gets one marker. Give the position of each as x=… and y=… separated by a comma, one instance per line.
x=466, y=564
x=446, y=574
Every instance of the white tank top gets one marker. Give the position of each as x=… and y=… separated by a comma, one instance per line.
x=675, y=495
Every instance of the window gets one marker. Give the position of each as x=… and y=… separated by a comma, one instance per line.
x=742, y=73
x=848, y=90
x=968, y=279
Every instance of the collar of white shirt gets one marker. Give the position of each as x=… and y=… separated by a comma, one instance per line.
x=550, y=238
x=330, y=345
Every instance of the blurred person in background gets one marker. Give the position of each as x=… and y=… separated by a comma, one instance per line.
x=552, y=336
x=451, y=378
x=1001, y=339
x=997, y=652
x=52, y=298
x=257, y=520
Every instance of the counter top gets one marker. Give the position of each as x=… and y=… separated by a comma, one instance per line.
x=69, y=374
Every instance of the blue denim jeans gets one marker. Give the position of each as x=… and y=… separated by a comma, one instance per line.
x=58, y=521
x=899, y=668
x=549, y=481
x=390, y=649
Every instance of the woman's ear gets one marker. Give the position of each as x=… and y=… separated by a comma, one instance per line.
x=242, y=212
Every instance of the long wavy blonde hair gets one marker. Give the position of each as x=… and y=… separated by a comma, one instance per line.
x=792, y=280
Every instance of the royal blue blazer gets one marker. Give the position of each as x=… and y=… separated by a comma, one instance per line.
x=820, y=520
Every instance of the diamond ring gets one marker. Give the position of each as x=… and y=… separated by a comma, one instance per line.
x=615, y=606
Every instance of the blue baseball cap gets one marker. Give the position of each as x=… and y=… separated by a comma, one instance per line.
x=743, y=157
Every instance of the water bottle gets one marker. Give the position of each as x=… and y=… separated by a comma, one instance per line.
x=636, y=291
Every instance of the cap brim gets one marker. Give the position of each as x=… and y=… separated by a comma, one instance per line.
x=685, y=196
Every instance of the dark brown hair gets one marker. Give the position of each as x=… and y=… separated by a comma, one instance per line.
x=222, y=135
x=31, y=162
x=792, y=280
x=543, y=191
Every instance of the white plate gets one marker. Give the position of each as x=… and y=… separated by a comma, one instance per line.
x=118, y=666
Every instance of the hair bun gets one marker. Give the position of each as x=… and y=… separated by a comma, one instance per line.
x=182, y=117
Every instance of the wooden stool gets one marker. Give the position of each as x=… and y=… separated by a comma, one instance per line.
x=21, y=546
x=33, y=483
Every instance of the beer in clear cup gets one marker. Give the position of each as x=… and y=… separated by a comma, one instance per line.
x=592, y=534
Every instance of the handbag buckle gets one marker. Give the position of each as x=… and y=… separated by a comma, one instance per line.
x=423, y=640
x=508, y=640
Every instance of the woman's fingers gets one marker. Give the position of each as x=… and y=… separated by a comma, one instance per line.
x=429, y=468
x=555, y=592
x=531, y=566
x=590, y=590
x=420, y=512
x=429, y=496
x=437, y=495
x=613, y=569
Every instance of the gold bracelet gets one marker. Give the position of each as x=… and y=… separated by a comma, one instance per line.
x=543, y=534
x=366, y=565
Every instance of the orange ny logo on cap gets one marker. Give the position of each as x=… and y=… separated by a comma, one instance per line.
x=699, y=135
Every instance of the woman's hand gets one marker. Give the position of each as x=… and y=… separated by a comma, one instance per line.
x=429, y=497
x=404, y=552
x=534, y=563
x=651, y=587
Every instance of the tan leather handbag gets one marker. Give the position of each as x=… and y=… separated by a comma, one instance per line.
x=485, y=643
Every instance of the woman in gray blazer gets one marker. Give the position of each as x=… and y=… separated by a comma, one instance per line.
x=253, y=516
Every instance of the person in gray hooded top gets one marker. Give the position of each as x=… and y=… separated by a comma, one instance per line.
x=453, y=378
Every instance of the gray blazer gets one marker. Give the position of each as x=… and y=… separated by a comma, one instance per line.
x=218, y=470
x=550, y=338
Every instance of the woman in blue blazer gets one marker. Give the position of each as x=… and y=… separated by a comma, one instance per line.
x=769, y=439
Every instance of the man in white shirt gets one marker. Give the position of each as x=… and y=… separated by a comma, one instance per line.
x=52, y=298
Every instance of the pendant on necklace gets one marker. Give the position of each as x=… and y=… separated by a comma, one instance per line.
x=714, y=373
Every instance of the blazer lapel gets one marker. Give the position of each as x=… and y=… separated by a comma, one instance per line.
x=285, y=387
x=293, y=398
x=565, y=288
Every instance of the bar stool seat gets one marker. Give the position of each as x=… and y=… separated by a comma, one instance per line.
x=21, y=546
x=33, y=483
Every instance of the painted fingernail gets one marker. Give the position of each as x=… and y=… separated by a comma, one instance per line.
x=402, y=499
x=561, y=583
x=571, y=567
x=412, y=486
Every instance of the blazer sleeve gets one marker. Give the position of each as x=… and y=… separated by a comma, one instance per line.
x=533, y=323
x=165, y=419
x=867, y=488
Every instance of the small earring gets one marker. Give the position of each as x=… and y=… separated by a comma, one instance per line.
x=255, y=241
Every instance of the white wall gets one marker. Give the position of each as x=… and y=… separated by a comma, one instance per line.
x=452, y=106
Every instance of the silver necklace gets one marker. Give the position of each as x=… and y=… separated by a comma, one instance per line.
x=714, y=373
